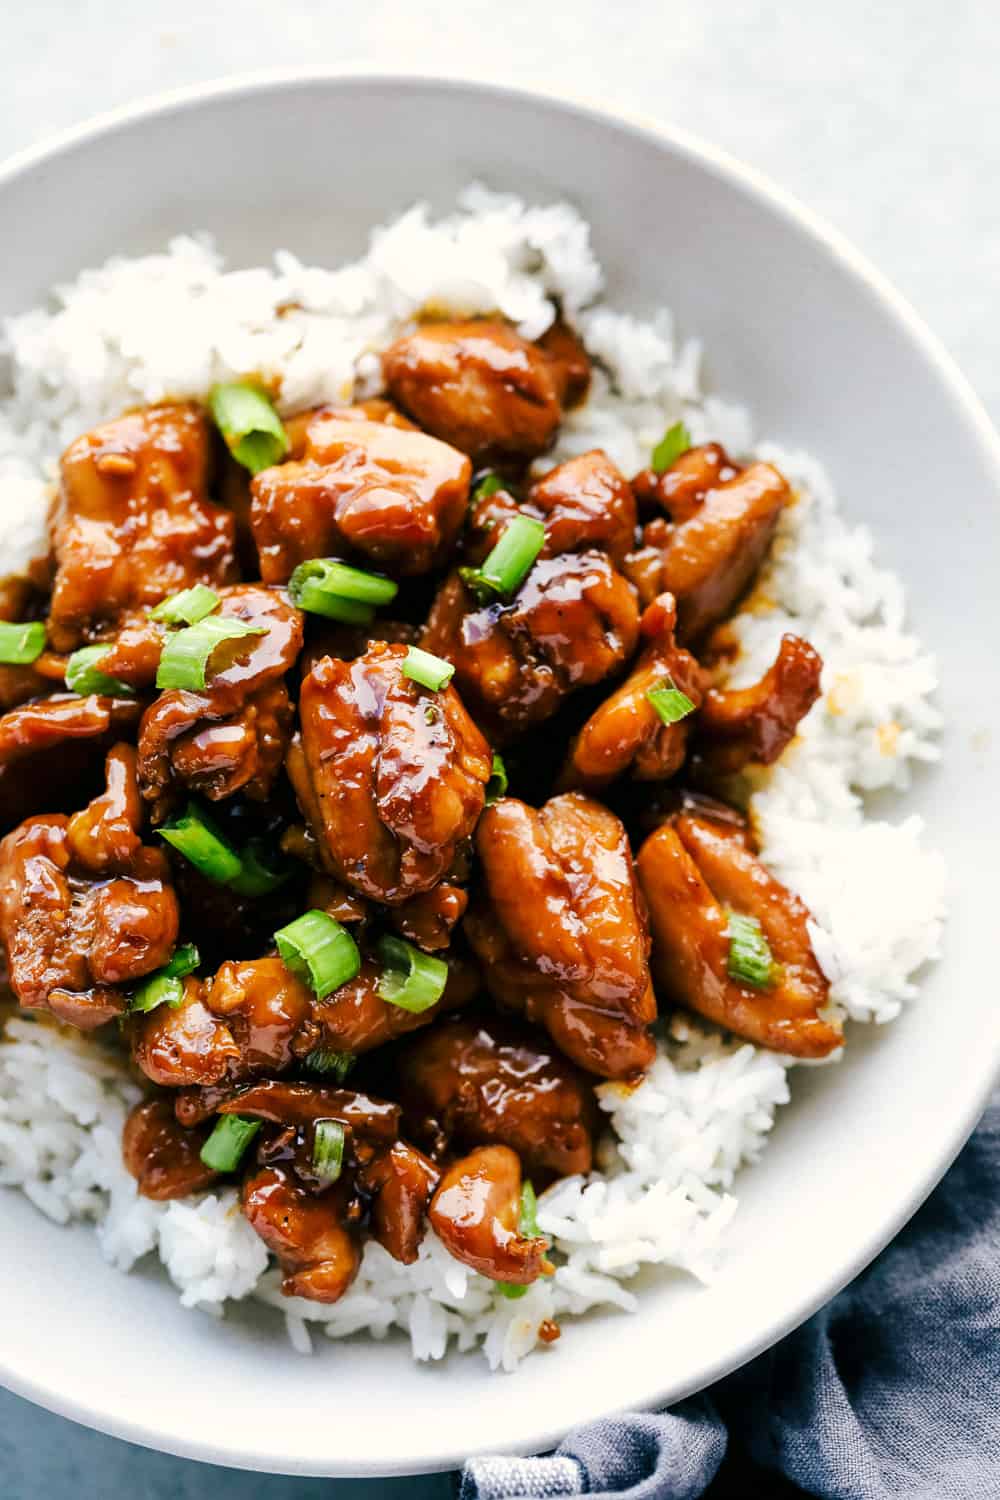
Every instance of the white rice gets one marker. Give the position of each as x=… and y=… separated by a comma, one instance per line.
x=170, y=325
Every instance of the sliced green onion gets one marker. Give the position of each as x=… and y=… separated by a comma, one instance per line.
x=670, y=703
x=196, y=836
x=184, y=660
x=165, y=986
x=488, y=485
x=228, y=1141
x=324, y=586
x=675, y=441
x=511, y=560
x=83, y=677
x=412, y=980
x=326, y=1060
x=430, y=671
x=527, y=1225
x=187, y=607
x=160, y=989
x=319, y=951
x=21, y=642
x=328, y=1150
x=496, y=787
x=258, y=877
x=750, y=958
x=252, y=429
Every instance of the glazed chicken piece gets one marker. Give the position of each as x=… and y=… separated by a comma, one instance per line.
x=315, y=1230
x=481, y=387
x=626, y=734
x=356, y=1019
x=391, y=495
x=399, y=1182
x=572, y=623
x=132, y=523
x=738, y=726
x=19, y=600
x=722, y=519
x=85, y=908
x=390, y=777
x=161, y=1155
x=50, y=749
x=583, y=504
x=183, y=1046
x=475, y=1214
x=316, y=1250
x=695, y=873
x=232, y=735
x=428, y=920
x=560, y=929
x=481, y=1080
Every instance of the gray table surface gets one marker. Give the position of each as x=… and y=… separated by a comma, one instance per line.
x=881, y=118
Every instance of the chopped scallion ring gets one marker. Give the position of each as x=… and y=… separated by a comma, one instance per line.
x=196, y=836
x=328, y=1150
x=675, y=441
x=430, y=671
x=258, y=877
x=319, y=951
x=252, y=429
x=187, y=607
x=527, y=1225
x=750, y=958
x=511, y=560
x=488, y=485
x=164, y=986
x=84, y=677
x=228, y=1141
x=21, y=642
x=496, y=787
x=412, y=980
x=185, y=657
x=324, y=1060
x=325, y=586
x=670, y=703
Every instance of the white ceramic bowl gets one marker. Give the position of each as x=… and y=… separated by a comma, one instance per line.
x=828, y=357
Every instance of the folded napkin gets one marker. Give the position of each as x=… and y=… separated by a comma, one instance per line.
x=891, y=1391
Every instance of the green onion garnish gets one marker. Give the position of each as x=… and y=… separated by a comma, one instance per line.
x=228, y=1141
x=83, y=677
x=511, y=560
x=196, y=836
x=750, y=958
x=488, y=485
x=430, y=671
x=496, y=787
x=319, y=951
x=328, y=1150
x=258, y=877
x=527, y=1225
x=21, y=643
x=327, y=587
x=184, y=660
x=675, y=441
x=412, y=980
x=187, y=607
x=325, y=1060
x=250, y=425
x=164, y=986
x=670, y=703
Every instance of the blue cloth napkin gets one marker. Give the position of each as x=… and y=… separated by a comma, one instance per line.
x=891, y=1391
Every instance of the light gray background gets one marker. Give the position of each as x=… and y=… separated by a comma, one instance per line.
x=881, y=117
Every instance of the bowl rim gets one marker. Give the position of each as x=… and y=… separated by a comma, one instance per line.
x=755, y=185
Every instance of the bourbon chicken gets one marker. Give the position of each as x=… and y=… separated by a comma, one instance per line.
x=382, y=878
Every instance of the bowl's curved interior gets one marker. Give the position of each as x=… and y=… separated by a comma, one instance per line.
x=825, y=360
